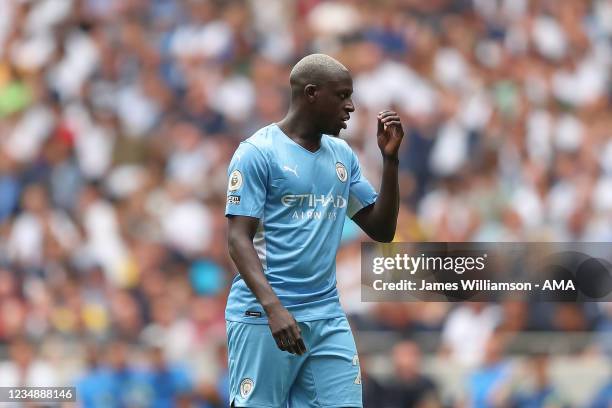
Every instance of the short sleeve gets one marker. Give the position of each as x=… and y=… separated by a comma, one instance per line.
x=247, y=182
x=361, y=192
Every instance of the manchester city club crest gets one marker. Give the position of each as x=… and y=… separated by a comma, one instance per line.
x=246, y=386
x=235, y=181
x=341, y=172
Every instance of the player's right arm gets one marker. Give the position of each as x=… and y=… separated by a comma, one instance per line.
x=245, y=203
x=283, y=326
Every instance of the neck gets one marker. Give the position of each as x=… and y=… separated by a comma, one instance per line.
x=301, y=130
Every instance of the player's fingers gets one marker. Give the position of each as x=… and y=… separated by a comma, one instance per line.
x=285, y=338
x=393, y=123
x=390, y=116
x=294, y=349
x=386, y=113
x=301, y=345
x=381, y=126
x=291, y=345
x=295, y=331
x=388, y=119
x=279, y=342
x=297, y=337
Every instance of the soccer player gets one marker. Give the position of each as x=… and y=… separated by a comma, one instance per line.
x=290, y=187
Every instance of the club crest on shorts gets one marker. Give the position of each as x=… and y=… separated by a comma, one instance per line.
x=246, y=386
x=341, y=172
x=235, y=181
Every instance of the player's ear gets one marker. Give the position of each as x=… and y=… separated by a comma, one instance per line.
x=310, y=92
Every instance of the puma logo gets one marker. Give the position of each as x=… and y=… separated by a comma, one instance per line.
x=294, y=171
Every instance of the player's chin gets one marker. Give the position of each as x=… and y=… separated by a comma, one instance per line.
x=335, y=130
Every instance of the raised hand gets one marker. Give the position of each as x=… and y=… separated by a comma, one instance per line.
x=390, y=133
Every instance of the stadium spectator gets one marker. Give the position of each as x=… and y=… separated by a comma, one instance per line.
x=410, y=387
x=94, y=388
x=373, y=391
x=489, y=385
x=603, y=398
x=216, y=394
x=25, y=368
x=129, y=383
x=542, y=392
x=467, y=331
x=171, y=383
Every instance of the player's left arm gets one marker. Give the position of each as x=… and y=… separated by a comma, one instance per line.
x=379, y=219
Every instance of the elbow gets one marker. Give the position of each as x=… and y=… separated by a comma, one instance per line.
x=380, y=232
x=389, y=232
x=385, y=235
x=377, y=227
x=385, y=238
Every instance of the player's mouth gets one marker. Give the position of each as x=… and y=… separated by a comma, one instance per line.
x=344, y=120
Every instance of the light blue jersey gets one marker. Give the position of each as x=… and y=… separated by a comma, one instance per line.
x=301, y=199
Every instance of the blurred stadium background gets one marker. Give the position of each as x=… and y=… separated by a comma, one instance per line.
x=118, y=119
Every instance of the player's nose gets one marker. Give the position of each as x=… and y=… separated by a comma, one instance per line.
x=350, y=107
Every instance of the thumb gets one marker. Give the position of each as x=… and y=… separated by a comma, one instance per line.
x=381, y=126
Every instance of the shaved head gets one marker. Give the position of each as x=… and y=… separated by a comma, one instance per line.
x=316, y=69
x=321, y=89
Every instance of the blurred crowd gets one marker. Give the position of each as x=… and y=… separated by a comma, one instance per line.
x=118, y=119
